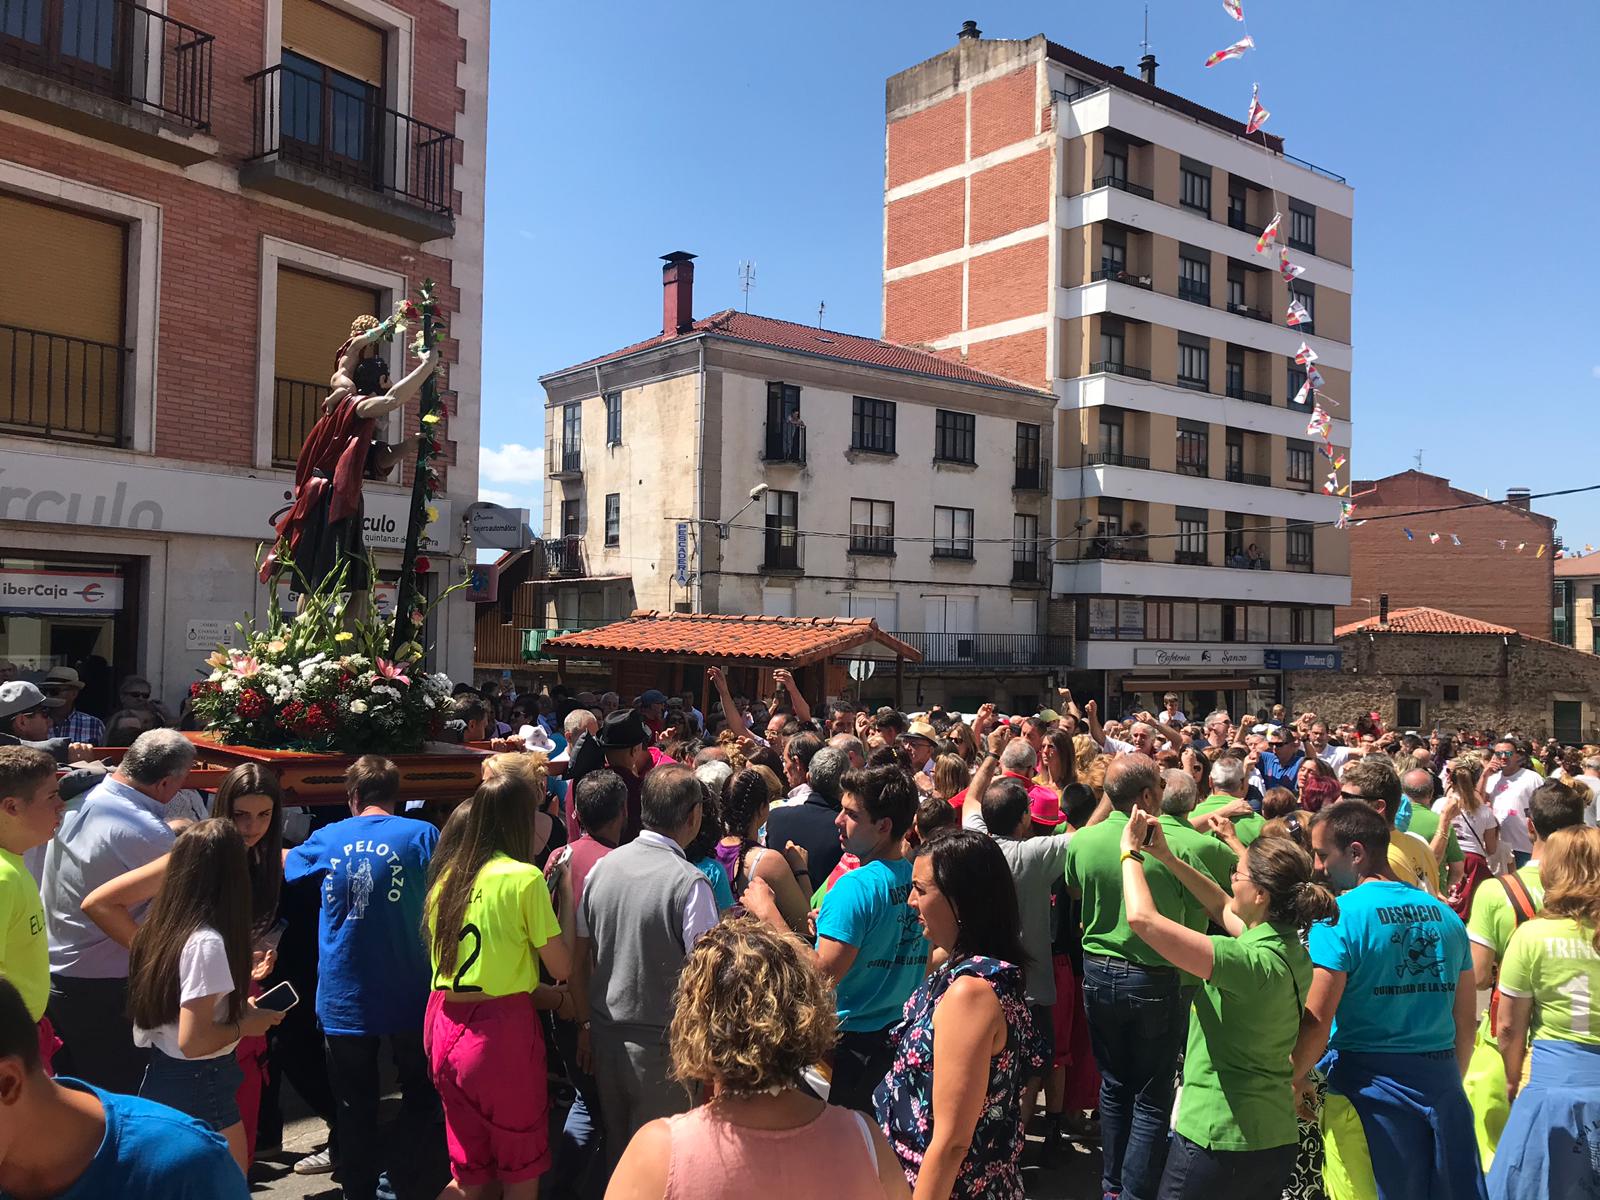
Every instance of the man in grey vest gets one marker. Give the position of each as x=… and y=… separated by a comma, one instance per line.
x=643, y=908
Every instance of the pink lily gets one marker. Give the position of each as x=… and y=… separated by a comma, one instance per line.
x=393, y=671
x=244, y=664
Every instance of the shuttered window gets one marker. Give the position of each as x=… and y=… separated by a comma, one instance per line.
x=334, y=39
x=63, y=365
x=313, y=318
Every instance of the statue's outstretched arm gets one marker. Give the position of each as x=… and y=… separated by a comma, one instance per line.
x=382, y=406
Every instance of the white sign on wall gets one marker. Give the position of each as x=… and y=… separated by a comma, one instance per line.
x=204, y=636
x=1196, y=656
x=59, y=591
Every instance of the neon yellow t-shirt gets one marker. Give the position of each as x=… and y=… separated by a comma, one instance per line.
x=1553, y=961
x=24, y=949
x=508, y=918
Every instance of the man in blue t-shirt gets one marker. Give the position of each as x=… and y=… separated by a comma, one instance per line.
x=69, y=1140
x=374, y=966
x=869, y=941
x=1392, y=1001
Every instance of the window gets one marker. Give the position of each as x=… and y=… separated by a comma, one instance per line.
x=308, y=307
x=1112, y=348
x=1303, y=628
x=613, y=518
x=1306, y=293
x=1029, y=462
x=1193, y=447
x=1235, y=456
x=1194, y=186
x=1233, y=538
x=571, y=518
x=1113, y=253
x=1194, y=275
x=1408, y=712
x=1296, y=381
x=1299, y=465
x=572, y=437
x=1114, y=164
x=1191, y=536
x=871, y=527
x=783, y=535
x=1299, y=546
x=1238, y=199
x=613, y=418
x=1236, y=302
x=952, y=532
x=1109, y=522
x=1026, y=553
x=329, y=116
x=955, y=437
x=786, y=432
x=1235, y=375
x=1302, y=227
x=1110, y=437
x=1194, y=363
x=1184, y=627
x=872, y=425
x=1452, y=693
x=1158, y=620
x=1567, y=720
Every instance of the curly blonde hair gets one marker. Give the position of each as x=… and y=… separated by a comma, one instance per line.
x=529, y=767
x=752, y=1011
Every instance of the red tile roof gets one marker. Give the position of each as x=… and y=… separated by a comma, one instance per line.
x=798, y=640
x=733, y=326
x=1579, y=565
x=1424, y=620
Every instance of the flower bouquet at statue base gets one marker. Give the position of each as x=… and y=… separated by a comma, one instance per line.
x=323, y=680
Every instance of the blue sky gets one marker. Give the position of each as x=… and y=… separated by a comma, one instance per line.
x=621, y=130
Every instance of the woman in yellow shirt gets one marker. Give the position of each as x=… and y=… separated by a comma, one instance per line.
x=490, y=925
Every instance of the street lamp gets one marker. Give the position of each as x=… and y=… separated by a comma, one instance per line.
x=723, y=527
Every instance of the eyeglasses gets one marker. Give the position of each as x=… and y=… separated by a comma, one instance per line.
x=137, y=695
x=1276, y=745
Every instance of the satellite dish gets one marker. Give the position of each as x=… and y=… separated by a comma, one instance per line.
x=861, y=669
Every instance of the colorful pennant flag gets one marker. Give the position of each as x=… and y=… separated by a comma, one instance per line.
x=1502, y=543
x=1257, y=116
x=1269, y=234
x=1297, y=314
x=1234, y=9
x=1410, y=537
x=1540, y=554
x=1520, y=546
x=1433, y=538
x=1318, y=425
x=1289, y=270
x=1332, y=483
x=1234, y=51
x=1304, y=395
x=1305, y=356
x=1345, y=509
x=1454, y=540
x=1314, y=377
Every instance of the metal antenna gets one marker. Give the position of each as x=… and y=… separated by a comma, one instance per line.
x=747, y=279
x=1145, y=45
x=1419, y=460
x=822, y=310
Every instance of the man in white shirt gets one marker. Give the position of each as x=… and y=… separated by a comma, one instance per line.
x=1171, y=714
x=1508, y=787
x=1589, y=781
x=1334, y=756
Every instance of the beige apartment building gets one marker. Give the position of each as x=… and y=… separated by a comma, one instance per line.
x=741, y=464
x=1071, y=225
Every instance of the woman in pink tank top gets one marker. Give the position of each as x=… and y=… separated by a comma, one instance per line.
x=753, y=1013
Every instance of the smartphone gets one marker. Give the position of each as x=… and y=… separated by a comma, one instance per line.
x=278, y=999
x=1149, y=836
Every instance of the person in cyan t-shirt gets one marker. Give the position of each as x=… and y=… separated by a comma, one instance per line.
x=66, y=1139
x=869, y=942
x=374, y=966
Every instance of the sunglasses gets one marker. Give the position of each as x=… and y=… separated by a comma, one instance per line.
x=1276, y=745
x=1503, y=754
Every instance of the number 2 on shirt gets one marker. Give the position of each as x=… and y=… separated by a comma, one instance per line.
x=465, y=964
x=1576, y=990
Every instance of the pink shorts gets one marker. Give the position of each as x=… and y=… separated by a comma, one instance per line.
x=487, y=1060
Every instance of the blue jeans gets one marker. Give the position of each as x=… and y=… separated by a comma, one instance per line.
x=204, y=1088
x=1137, y=1026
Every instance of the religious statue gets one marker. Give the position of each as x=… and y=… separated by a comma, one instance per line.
x=322, y=531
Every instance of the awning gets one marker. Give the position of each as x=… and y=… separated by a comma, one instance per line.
x=1139, y=683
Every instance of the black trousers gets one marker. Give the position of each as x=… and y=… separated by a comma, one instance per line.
x=860, y=1061
x=90, y=1017
x=1193, y=1172
x=353, y=1076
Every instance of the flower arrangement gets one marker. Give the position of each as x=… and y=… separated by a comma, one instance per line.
x=319, y=681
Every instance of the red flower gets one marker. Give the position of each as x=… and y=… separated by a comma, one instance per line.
x=252, y=704
x=423, y=564
x=196, y=688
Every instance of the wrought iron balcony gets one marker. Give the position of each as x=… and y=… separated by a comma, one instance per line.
x=1195, y=293
x=563, y=557
x=1238, y=391
x=1122, y=185
x=1240, y=475
x=1030, y=566
x=988, y=649
x=1120, y=275
x=1236, y=221
x=1108, y=367
x=1245, y=310
x=1032, y=476
x=785, y=443
x=1118, y=459
x=1189, y=558
x=871, y=539
x=52, y=386
x=295, y=404
x=566, y=462
x=783, y=551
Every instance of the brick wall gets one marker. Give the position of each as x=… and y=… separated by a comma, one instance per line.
x=1004, y=110
x=1021, y=357
x=993, y=291
x=924, y=307
x=926, y=223
x=1013, y=195
x=1475, y=579
x=927, y=141
x=206, y=380
x=1501, y=684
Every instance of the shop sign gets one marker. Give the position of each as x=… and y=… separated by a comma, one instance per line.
x=1130, y=618
x=1102, y=617
x=1196, y=656
x=1304, y=660
x=483, y=583
x=204, y=636
x=59, y=591
x=496, y=528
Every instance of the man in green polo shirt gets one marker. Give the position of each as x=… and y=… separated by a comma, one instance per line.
x=1178, y=797
x=1135, y=1001
x=1229, y=783
x=1416, y=816
x=1494, y=919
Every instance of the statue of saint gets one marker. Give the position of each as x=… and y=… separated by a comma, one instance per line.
x=321, y=532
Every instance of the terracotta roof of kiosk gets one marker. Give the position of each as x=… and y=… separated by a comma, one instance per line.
x=1424, y=620
x=731, y=638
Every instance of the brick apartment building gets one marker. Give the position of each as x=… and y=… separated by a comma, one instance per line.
x=1064, y=223
x=196, y=198
x=1475, y=579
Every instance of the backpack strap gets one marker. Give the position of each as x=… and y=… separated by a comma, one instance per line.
x=1523, y=906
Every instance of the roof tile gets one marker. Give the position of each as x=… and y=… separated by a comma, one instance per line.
x=730, y=637
x=1424, y=620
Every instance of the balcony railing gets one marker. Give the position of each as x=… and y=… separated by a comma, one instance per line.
x=1118, y=459
x=1030, y=566
x=297, y=118
x=533, y=640
x=1245, y=310
x=1032, y=477
x=783, y=551
x=1119, y=275
x=1194, y=385
x=871, y=539
x=54, y=386
x=1302, y=485
x=988, y=649
x=1240, y=475
x=785, y=443
x=1122, y=185
x=959, y=549
x=1243, y=560
x=1240, y=392
x=1194, y=293
x=563, y=557
x=1108, y=367
x=1124, y=547
x=295, y=406
x=1189, y=558
x=115, y=49
x=1199, y=470
x=1301, y=563
x=566, y=461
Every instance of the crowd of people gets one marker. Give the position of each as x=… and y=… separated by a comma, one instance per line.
x=853, y=952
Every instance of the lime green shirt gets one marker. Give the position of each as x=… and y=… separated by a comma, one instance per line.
x=1237, y=1093
x=1094, y=870
x=1247, y=827
x=1492, y=921
x=1553, y=962
x=508, y=918
x=24, y=949
x=1216, y=859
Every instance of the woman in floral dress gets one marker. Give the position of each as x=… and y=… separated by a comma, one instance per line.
x=959, y=1133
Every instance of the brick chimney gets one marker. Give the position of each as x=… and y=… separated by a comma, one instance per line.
x=677, y=293
x=1383, y=609
x=1519, y=498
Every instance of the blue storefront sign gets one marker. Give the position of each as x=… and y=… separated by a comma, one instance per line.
x=1303, y=660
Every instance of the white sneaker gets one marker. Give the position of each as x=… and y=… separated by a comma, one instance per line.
x=320, y=1163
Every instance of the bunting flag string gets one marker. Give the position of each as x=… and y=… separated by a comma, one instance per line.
x=1435, y=539
x=1257, y=116
x=1234, y=9
x=1289, y=270
x=1297, y=314
x=1234, y=51
x=1305, y=356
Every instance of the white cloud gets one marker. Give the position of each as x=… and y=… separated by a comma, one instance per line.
x=512, y=463
x=497, y=497
x=1595, y=371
